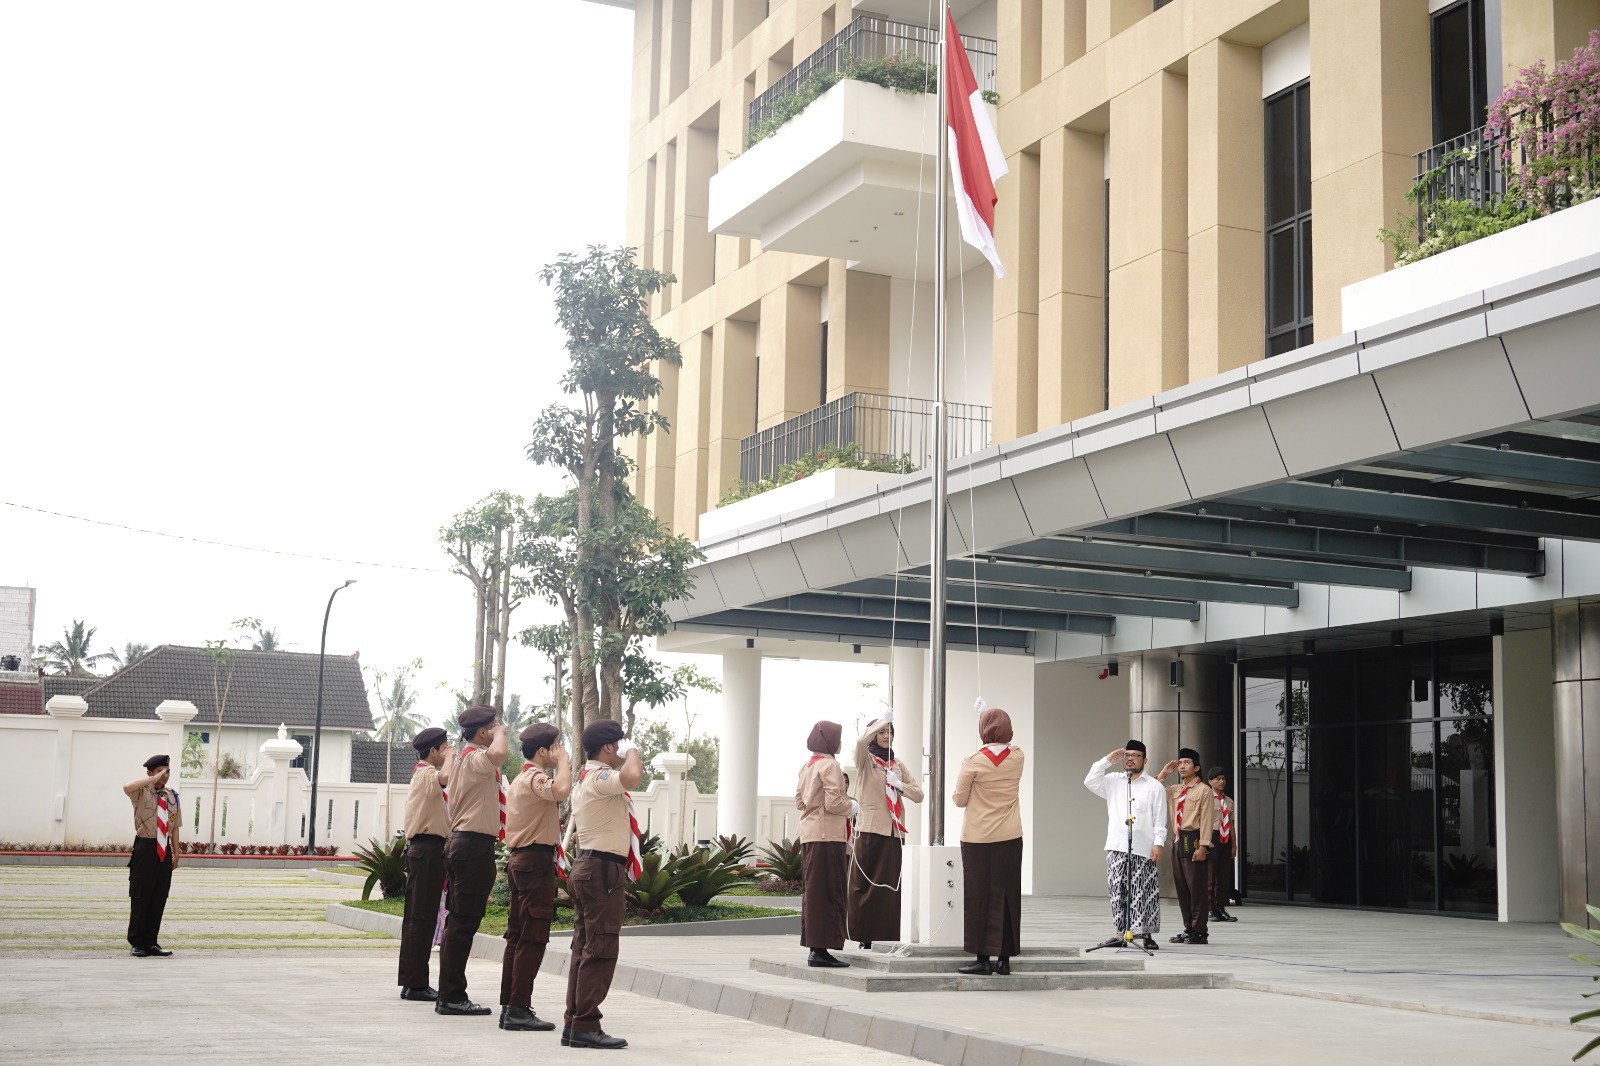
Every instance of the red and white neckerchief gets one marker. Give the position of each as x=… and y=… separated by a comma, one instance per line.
x=1225, y=830
x=897, y=805
x=635, y=856
x=161, y=824
x=1178, y=818
x=499, y=784
x=989, y=754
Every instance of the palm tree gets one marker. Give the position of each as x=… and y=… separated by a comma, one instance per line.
x=130, y=654
x=398, y=722
x=70, y=655
x=266, y=639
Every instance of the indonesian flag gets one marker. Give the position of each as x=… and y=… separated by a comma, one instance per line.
x=976, y=161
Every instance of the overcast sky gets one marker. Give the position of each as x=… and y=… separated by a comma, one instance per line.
x=268, y=277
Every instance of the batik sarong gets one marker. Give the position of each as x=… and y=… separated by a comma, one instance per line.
x=1144, y=879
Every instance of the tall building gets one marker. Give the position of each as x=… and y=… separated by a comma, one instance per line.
x=1220, y=477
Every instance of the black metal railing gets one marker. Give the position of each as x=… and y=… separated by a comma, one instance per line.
x=1468, y=167
x=868, y=39
x=883, y=429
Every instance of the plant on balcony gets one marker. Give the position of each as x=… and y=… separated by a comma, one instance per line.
x=903, y=72
x=1545, y=128
x=828, y=457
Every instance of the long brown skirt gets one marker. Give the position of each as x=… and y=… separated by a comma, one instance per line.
x=824, y=868
x=992, y=882
x=874, y=911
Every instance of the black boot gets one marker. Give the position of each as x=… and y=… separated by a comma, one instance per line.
x=977, y=968
x=524, y=1019
x=597, y=1038
x=819, y=957
x=866, y=945
x=1003, y=967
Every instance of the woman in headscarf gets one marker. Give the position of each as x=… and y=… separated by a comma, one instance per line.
x=991, y=845
x=825, y=813
x=874, y=912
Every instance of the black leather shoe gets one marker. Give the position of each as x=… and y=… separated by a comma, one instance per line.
x=1199, y=938
x=979, y=967
x=1224, y=916
x=599, y=1039
x=1181, y=938
x=139, y=953
x=866, y=945
x=818, y=957
x=524, y=1019
x=566, y=1035
x=1003, y=967
x=421, y=995
x=156, y=951
x=466, y=1006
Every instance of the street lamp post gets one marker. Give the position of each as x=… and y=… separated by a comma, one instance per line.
x=316, y=733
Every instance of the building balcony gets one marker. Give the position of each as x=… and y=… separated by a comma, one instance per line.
x=851, y=175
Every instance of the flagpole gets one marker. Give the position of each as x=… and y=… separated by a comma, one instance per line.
x=936, y=634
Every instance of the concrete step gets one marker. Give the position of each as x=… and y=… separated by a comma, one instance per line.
x=1031, y=964
x=920, y=951
x=864, y=980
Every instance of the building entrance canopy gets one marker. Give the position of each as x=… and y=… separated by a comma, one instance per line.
x=1462, y=441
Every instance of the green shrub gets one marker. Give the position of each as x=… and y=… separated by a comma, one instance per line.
x=659, y=880
x=783, y=860
x=712, y=872
x=828, y=457
x=385, y=865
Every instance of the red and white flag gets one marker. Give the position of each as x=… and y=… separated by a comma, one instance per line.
x=976, y=161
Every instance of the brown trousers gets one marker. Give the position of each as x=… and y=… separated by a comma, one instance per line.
x=469, y=863
x=1219, y=864
x=424, y=882
x=531, y=872
x=1194, y=894
x=598, y=899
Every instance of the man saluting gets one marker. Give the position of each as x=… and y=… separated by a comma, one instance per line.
x=156, y=819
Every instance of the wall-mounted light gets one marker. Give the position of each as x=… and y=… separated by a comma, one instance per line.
x=855, y=649
x=749, y=642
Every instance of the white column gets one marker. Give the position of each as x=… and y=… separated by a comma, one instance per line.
x=66, y=710
x=908, y=668
x=1526, y=856
x=741, y=744
x=279, y=754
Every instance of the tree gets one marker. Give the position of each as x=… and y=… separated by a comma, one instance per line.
x=70, y=656
x=485, y=541
x=222, y=663
x=266, y=639
x=602, y=305
x=397, y=721
x=554, y=641
x=130, y=654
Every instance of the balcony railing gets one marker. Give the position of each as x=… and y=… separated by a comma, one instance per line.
x=868, y=39
x=883, y=428
x=1467, y=168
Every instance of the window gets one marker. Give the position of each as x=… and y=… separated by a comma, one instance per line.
x=822, y=397
x=1460, y=71
x=1288, y=188
x=303, y=760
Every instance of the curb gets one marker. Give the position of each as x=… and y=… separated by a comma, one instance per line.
x=943, y=1044
x=204, y=862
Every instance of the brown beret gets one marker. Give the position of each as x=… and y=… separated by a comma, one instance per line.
x=474, y=718
x=599, y=734
x=428, y=739
x=536, y=736
x=155, y=762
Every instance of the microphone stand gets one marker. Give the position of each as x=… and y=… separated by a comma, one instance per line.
x=1127, y=886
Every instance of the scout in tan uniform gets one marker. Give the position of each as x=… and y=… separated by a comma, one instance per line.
x=991, y=845
x=426, y=826
x=605, y=857
x=874, y=905
x=1194, y=810
x=477, y=819
x=156, y=819
x=533, y=829
x=822, y=797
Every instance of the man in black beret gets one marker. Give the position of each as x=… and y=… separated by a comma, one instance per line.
x=1133, y=876
x=1194, y=814
x=426, y=826
x=477, y=799
x=606, y=859
x=156, y=818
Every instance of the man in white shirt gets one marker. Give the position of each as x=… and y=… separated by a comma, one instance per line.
x=1133, y=877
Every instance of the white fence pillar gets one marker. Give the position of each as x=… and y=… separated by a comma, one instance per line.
x=279, y=754
x=741, y=743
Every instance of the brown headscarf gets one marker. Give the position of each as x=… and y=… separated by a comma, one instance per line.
x=994, y=726
x=825, y=738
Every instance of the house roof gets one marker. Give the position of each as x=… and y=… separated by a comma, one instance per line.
x=268, y=687
x=60, y=685
x=21, y=695
x=366, y=761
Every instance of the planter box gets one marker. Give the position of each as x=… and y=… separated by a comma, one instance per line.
x=807, y=492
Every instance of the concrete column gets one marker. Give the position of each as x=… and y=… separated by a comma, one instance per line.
x=741, y=744
x=689, y=436
x=1526, y=858
x=66, y=710
x=908, y=674
x=1062, y=40
x=657, y=453
x=1078, y=717
x=278, y=754
x=695, y=254
x=1534, y=30
x=858, y=331
x=1072, y=233
x=1020, y=23
x=1226, y=318
x=1104, y=19
x=733, y=402
x=675, y=48
x=1016, y=301
x=1149, y=238
x=791, y=352
x=1575, y=641
x=663, y=212
x=1369, y=117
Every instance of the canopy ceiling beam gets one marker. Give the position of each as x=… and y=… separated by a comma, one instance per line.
x=911, y=589
x=1228, y=565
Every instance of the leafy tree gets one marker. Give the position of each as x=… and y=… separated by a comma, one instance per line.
x=130, y=654
x=602, y=306
x=193, y=762
x=223, y=658
x=554, y=641
x=707, y=753
x=266, y=639
x=485, y=541
x=397, y=720
x=70, y=656
x=653, y=738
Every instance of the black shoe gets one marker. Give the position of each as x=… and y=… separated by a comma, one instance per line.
x=866, y=945
x=1003, y=967
x=156, y=951
x=566, y=1035
x=139, y=953
x=600, y=1039
x=466, y=1006
x=979, y=967
x=1224, y=916
x=1216, y=916
x=818, y=957
x=1181, y=938
x=424, y=995
x=1150, y=943
x=1199, y=938
x=524, y=1019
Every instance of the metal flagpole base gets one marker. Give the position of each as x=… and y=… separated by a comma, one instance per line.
x=930, y=896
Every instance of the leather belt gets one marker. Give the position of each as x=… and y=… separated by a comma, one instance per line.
x=541, y=847
x=586, y=853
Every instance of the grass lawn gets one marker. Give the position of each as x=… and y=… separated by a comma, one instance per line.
x=494, y=919
x=753, y=890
